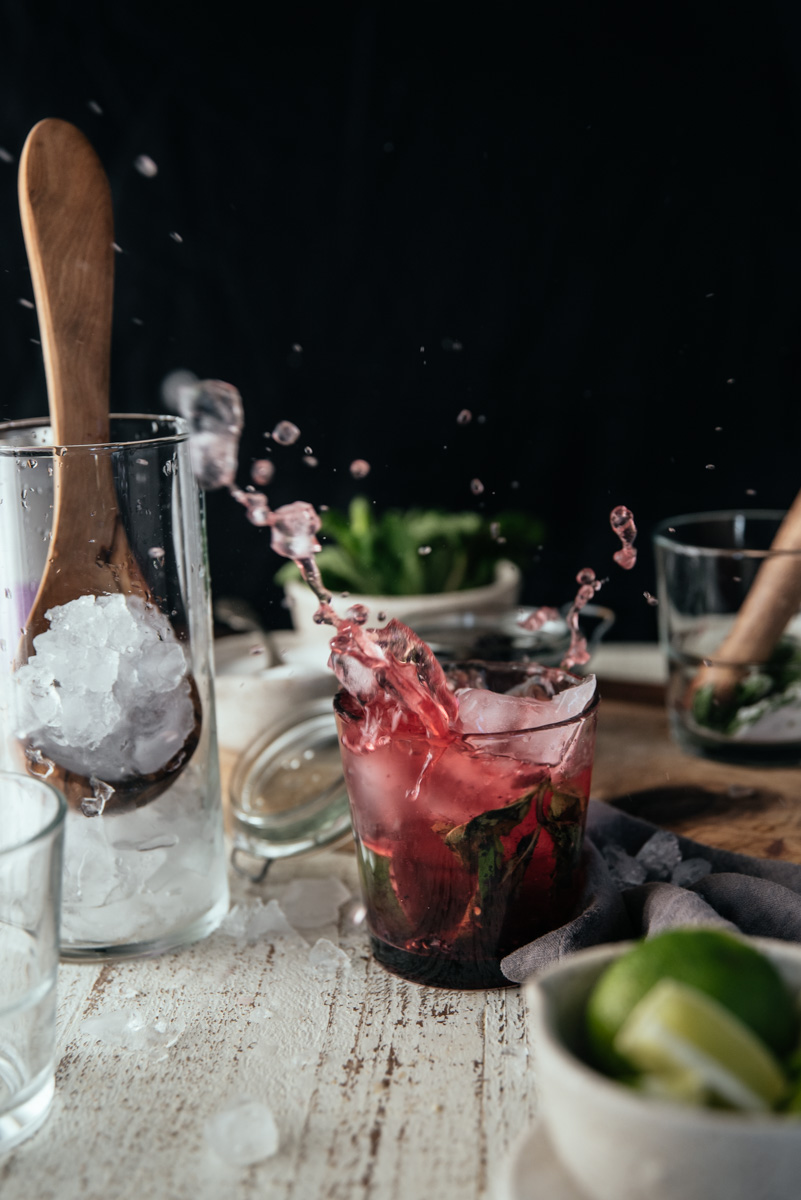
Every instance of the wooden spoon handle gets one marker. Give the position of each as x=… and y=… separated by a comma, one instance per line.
x=68, y=225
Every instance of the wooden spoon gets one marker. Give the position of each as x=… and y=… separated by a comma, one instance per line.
x=67, y=222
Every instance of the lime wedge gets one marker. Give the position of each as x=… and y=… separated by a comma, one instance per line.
x=676, y=1029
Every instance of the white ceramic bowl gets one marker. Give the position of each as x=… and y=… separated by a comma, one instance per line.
x=619, y=1145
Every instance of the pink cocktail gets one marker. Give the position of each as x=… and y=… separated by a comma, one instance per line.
x=468, y=829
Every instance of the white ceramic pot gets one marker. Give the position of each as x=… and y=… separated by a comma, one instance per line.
x=620, y=1145
x=310, y=644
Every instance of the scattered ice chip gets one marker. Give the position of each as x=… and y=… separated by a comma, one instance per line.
x=624, y=870
x=690, y=871
x=359, y=468
x=310, y=903
x=327, y=959
x=145, y=166
x=102, y=792
x=476, y=487
x=250, y=922
x=285, y=433
x=660, y=855
x=130, y=1031
x=244, y=1134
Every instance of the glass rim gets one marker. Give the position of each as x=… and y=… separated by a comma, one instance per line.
x=692, y=550
x=55, y=822
x=180, y=435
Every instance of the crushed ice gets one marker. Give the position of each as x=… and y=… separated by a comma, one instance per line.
x=244, y=1134
x=311, y=903
x=106, y=692
x=326, y=959
x=250, y=922
x=130, y=1031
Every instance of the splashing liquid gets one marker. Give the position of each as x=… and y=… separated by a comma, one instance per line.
x=622, y=522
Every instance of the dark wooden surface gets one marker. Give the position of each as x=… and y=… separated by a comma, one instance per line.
x=755, y=810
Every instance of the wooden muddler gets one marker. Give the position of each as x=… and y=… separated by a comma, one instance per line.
x=774, y=598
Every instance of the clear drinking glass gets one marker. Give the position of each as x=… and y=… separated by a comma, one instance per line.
x=723, y=705
x=116, y=705
x=468, y=847
x=31, y=843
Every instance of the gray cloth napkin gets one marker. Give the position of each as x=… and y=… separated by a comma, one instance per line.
x=756, y=896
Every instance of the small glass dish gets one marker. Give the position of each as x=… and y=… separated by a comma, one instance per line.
x=287, y=793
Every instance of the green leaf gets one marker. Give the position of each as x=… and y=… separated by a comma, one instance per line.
x=376, y=879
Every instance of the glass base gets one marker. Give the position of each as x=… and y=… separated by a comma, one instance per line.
x=176, y=939
x=438, y=971
x=29, y=1110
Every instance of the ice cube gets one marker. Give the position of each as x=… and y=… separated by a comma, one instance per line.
x=483, y=711
x=310, y=903
x=690, y=871
x=249, y=922
x=244, y=1134
x=624, y=870
x=130, y=1031
x=327, y=959
x=660, y=855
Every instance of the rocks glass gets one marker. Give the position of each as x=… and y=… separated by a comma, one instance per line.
x=113, y=700
x=469, y=844
x=724, y=701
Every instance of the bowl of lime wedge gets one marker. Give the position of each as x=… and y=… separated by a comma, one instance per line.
x=671, y=1068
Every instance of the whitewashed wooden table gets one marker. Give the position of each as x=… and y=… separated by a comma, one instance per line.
x=380, y=1088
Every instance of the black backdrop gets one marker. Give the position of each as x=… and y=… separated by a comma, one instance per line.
x=595, y=201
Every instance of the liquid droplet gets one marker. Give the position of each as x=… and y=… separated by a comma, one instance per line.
x=359, y=468
x=285, y=433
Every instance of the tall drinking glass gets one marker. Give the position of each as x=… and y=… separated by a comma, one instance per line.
x=31, y=842
x=113, y=701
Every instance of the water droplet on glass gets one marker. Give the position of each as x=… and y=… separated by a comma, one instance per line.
x=145, y=166
x=359, y=468
x=285, y=433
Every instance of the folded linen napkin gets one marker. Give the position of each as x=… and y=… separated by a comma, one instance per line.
x=757, y=896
